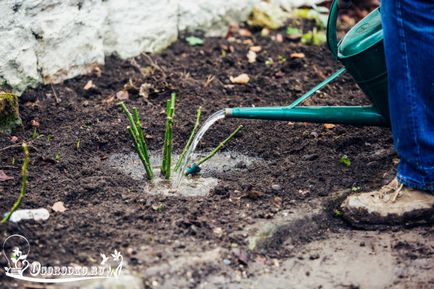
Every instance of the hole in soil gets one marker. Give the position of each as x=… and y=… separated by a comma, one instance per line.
x=200, y=185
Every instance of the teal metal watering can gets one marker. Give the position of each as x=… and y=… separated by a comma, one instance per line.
x=361, y=52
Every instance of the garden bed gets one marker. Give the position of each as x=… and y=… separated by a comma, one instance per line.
x=78, y=130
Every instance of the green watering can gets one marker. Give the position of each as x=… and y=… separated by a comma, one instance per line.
x=361, y=52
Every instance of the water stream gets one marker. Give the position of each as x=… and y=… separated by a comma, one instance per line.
x=208, y=123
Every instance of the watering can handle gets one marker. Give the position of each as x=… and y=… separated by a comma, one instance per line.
x=332, y=39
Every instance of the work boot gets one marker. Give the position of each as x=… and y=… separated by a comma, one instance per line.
x=393, y=204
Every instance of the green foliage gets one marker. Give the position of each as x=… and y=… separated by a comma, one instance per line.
x=318, y=14
x=345, y=160
x=24, y=174
x=338, y=213
x=314, y=37
x=293, y=32
x=194, y=41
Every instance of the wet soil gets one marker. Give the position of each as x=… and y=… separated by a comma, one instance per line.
x=109, y=210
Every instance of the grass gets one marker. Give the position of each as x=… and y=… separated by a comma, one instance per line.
x=24, y=175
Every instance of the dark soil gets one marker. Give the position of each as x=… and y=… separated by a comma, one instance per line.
x=108, y=210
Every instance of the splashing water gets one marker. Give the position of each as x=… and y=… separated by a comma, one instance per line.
x=208, y=123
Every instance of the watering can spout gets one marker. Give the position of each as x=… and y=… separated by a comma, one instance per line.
x=355, y=115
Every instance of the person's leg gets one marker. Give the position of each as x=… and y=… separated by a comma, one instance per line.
x=408, y=27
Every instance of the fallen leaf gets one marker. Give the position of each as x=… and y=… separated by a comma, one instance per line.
x=297, y=55
x=256, y=48
x=240, y=79
x=14, y=139
x=247, y=42
x=244, y=32
x=218, y=231
x=4, y=177
x=241, y=255
x=144, y=90
x=89, y=85
x=194, y=41
x=109, y=100
x=97, y=71
x=279, y=38
x=329, y=126
x=122, y=95
x=35, y=123
x=254, y=195
x=58, y=207
x=265, y=32
x=251, y=56
x=277, y=201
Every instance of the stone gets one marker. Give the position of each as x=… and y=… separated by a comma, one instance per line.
x=133, y=27
x=53, y=40
x=9, y=114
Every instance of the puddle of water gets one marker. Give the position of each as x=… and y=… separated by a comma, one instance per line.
x=130, y=165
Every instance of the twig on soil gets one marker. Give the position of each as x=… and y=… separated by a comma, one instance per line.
x=136, y=133
x=190, y=139
x=17, y=146
x=55, y=95
x=208, y=81
x=168, y=135
x=24, y=174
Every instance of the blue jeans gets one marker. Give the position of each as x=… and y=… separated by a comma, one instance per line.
x=408, y=27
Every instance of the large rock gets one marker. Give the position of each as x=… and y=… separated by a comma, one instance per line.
x=137, y=26
x=18, y=61
x=212, y=17
x=52, y=40
x=68, y=34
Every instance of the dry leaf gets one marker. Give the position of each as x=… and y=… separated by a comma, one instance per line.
x=89, y=85
x=265, y=32
x=14, y=139
x=297, y=55
x=109, y=100
x=256, y=48
x=35, y=123
x=4, y=177
x=279, y=38
x=244, y=32
x=97, y=71
x=144, y=90
x=329, y=125
x=240, y=79
x=254, y=195
x=122, y=95
x=277, y=201
x=58, y=207
x=251, y=56
x=248, y=42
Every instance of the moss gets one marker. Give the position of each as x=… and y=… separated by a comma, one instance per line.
x=9, y=111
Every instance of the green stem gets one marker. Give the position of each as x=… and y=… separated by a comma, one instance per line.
x=220, y=146
x=145, y=162
x=190, y=139
x=24, y=174
x=136, y=134
x=168, y=136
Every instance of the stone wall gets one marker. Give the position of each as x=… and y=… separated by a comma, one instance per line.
x=52, y=40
